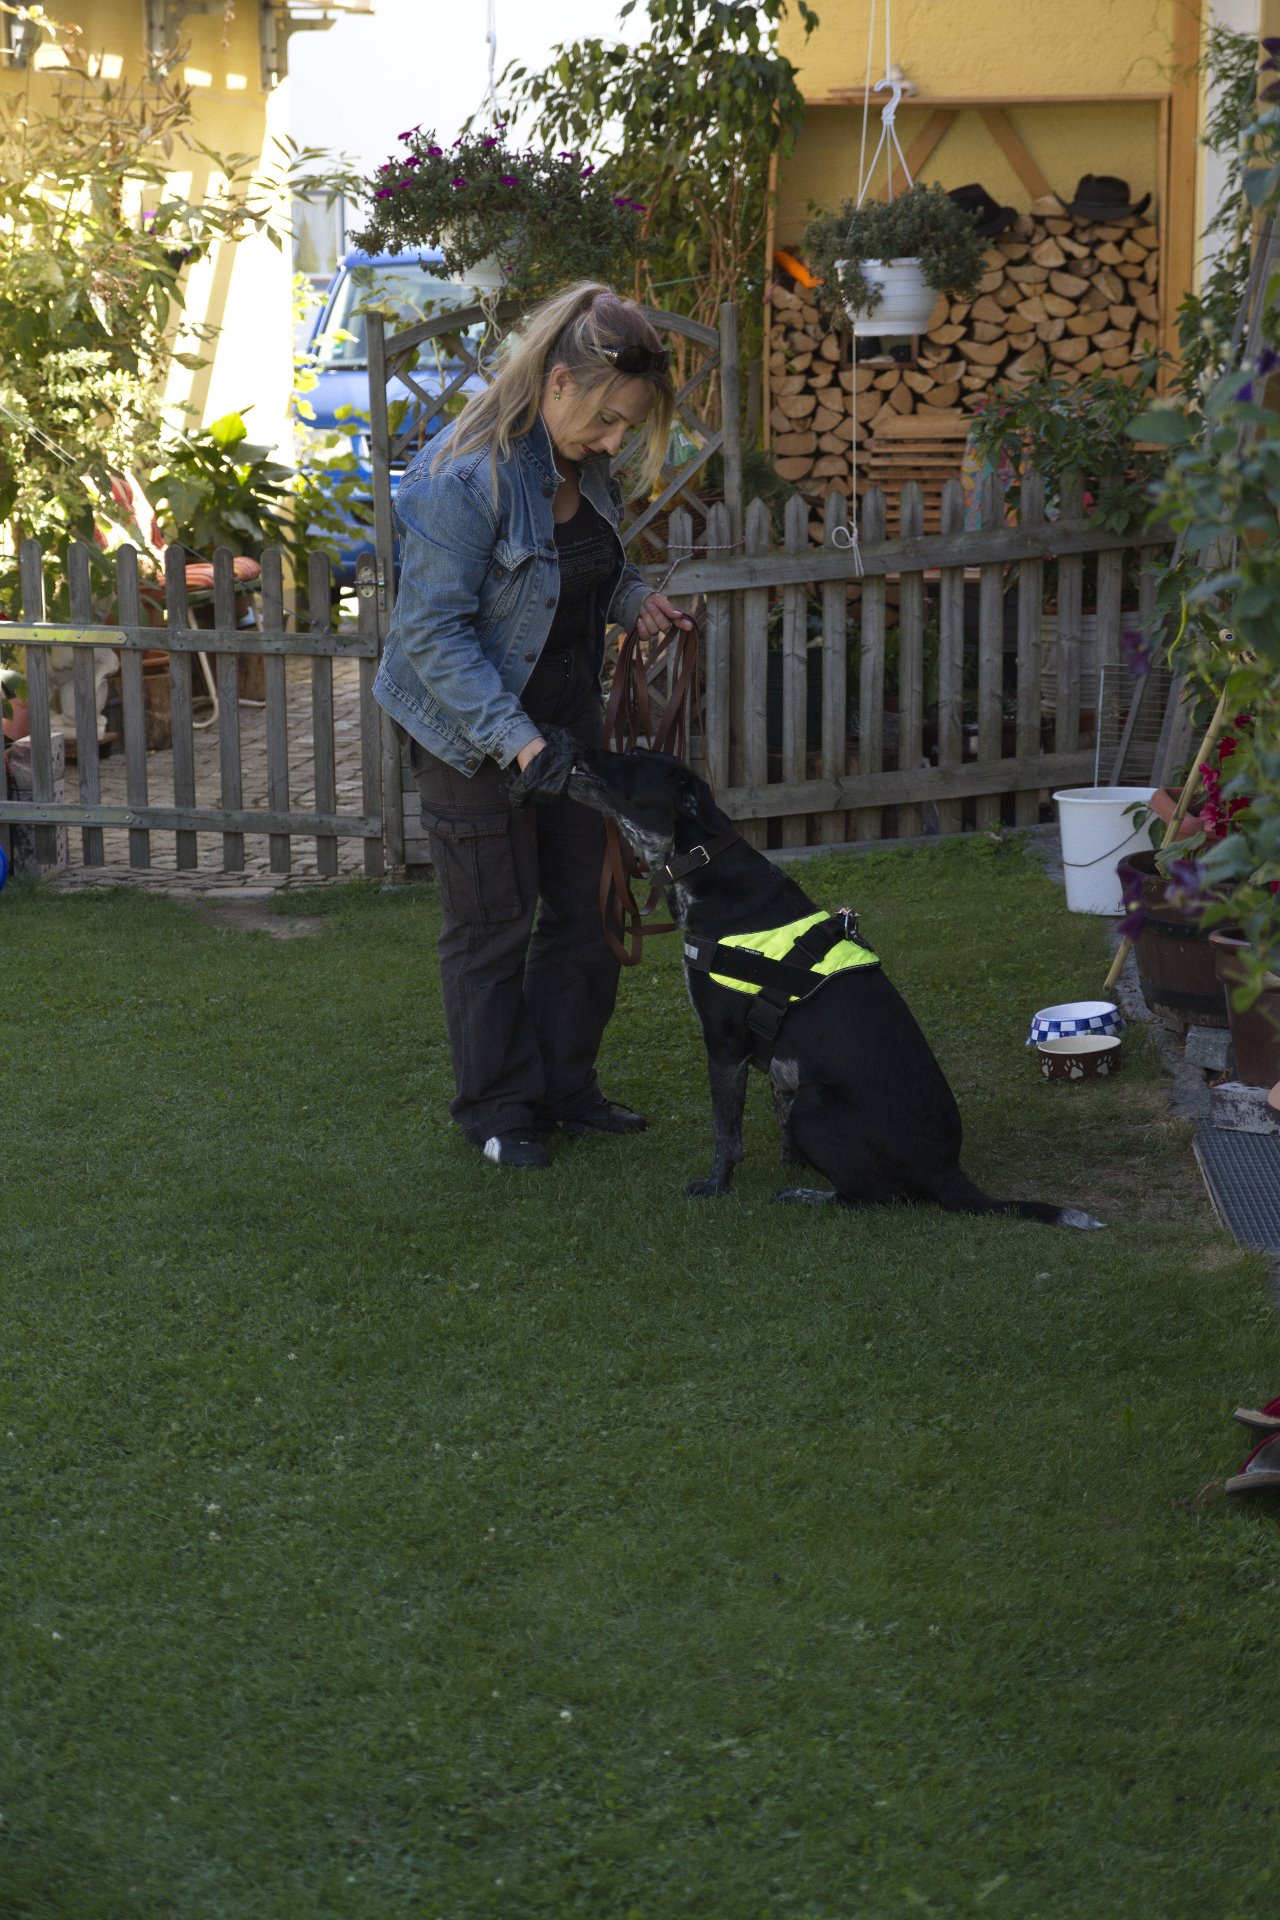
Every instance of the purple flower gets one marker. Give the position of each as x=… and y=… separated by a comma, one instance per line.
x=410, y=134
x=384, y=193
x=1188, y=883
x=509, y=180
x=564, y=155
x=413, y=161
x=435, y=152
x=587, y=170
x=1268, y=361
x=1131, y=885
x=1136, y=651
x=488, y=141
x=459, y=180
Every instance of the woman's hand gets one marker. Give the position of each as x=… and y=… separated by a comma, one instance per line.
x=526, y=754
x=657, y=614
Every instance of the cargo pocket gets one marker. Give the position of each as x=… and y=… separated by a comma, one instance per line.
x=475, y=865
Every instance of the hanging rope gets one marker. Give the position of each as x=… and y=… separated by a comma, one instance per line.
x=491, y=41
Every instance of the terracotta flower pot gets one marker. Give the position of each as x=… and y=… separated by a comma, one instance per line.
x=1164, y=803
x=1255, y=1033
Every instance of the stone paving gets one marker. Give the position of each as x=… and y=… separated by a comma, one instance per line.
x=253, y=759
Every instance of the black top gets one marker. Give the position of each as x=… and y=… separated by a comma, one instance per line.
x=587, y=554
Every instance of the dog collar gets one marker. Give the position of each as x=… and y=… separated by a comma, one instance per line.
x=681, y=864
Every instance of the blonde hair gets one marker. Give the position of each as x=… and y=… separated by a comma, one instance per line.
x=567, y=330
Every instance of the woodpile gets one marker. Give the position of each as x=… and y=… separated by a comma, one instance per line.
x=1076, y=296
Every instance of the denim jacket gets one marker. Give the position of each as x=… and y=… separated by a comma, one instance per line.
x=479, y=582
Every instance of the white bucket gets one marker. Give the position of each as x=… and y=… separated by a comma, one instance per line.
x=1096, y=834
x=906, y=301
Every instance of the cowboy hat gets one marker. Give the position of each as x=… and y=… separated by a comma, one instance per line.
x=987, y=217
x=1100, y=196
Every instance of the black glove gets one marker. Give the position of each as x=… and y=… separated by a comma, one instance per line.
x=547, y=775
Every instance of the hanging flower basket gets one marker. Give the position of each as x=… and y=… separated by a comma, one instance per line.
x=903, y=299
x=886, y=262
x=522, y=220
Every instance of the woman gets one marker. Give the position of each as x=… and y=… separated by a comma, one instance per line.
x=511, y=569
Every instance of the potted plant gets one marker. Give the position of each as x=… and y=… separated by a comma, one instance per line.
x=523, y=220
x=13, y=692
x=887, y=261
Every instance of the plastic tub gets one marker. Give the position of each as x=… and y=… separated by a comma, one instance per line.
x=1096, y=835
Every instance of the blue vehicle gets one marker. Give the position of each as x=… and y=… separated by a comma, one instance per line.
x=416, y=286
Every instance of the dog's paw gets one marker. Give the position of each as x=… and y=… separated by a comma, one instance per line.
x=705, y=1189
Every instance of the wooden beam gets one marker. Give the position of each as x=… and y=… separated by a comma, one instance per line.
x=921, y=102
x=1006, y=137
x=1027, y=773
x=1177, y=260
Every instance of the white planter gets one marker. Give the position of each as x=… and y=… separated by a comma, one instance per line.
x=486, y=276
x=906, y=301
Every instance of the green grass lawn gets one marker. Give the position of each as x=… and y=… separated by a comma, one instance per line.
x=386, y=1535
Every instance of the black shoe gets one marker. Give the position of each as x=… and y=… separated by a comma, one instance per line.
x=519, y=1148
x=608, y=1117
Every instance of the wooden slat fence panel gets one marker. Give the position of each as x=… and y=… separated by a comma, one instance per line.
x=84, y=671
x=1067, y=665
x=990, y=649
x=180, y=664
x=1030, y=605
x=795, y=668
x=133, y=702
x=871, y=669
x=227, y=682
x=319, y=587
x=964, y=770
x=188, y=814
x=951, y=657
x=835, y=668
x=717, y=637
x=755, y=666
x=373, y=793
x=911, y=655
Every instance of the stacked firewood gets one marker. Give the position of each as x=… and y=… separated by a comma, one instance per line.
x=1075, y=296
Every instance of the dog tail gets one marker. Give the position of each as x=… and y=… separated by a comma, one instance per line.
x=957, y=1193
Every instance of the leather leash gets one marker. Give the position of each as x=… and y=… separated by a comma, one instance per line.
x=628, y=723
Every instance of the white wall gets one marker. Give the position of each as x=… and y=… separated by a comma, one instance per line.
x=1241, y=16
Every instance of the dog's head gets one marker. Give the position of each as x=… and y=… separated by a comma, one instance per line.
x=657, y=801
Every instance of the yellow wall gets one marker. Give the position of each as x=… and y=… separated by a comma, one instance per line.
x=994, y=51
x=244, y=289
x=991, y=46
x=1111, y=52
x=1066, y=142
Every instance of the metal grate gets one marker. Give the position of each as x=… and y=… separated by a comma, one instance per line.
x=1242, y=1173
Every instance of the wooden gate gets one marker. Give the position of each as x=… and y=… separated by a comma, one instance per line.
x=406, y=410
x=295, y=744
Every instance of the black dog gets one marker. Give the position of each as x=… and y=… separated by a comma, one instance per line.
x=858, y=1091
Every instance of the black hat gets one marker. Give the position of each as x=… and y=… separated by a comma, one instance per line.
x=1100, y=196
x=987, y=217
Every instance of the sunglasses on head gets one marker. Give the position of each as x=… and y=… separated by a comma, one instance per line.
x=632, y=359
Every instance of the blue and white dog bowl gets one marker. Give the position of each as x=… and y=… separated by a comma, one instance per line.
x=1072, y=1018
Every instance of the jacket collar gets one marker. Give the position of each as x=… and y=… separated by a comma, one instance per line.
x=536, y=447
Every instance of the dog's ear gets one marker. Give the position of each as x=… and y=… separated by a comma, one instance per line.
x=697, y=803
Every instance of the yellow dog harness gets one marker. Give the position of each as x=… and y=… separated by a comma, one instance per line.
x=780, y=966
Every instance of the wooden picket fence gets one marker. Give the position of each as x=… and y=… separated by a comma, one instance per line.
x=991, y=756
x=825, y=717
x=144, y=623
